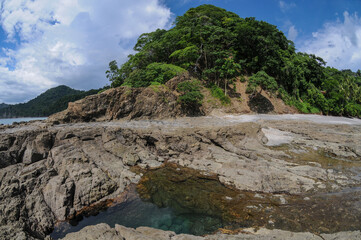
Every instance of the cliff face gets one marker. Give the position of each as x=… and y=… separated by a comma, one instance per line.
x=124, y=102
x=161, y=102
x=49, y=173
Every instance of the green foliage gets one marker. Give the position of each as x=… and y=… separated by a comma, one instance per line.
x=217, y=92
x=161, y=72
x=242, y=79
x=52, y=101
x=316, y=99
x=104, y=89
x=153, y=73
x=190, y=97
x=113, y=74
x=261, y=46
x=3, y=105
x=251, y=89
x=186, y=57
x=217, y=46
x=263, y=80
x=303, y=107
x=353, y=109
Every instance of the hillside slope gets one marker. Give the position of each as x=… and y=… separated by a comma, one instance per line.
x=164, y=101
x=3, y=105
x=217, y=46
x=52, y=101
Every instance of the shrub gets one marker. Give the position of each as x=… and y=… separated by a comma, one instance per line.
x=217, y=92
x=316, y=99
x=353, y=109
x=190, y=97
x=242, y=78
x=262, y=79
x=302, y=106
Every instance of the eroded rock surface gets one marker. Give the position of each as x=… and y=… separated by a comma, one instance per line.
x=103, y=231
x=49, y=173
x=125, y=102
x=162, y=102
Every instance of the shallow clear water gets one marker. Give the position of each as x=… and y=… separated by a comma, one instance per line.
x=136, y=213
x=184, y=200
x=12, y=120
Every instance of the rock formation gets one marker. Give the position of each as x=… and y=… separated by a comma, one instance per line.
x=161, y=102
x=103, y=231
x=49, y=173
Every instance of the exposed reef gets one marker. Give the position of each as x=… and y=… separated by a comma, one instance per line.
x=50, y=173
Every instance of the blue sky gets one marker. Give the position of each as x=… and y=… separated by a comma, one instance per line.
x=45, y=43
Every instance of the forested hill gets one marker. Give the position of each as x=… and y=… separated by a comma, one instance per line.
x=218, y=48
x=52, y=101
x=3, y=105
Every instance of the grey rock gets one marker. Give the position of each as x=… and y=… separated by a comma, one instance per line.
x=103, y=231
x=97, y=232
x=48, y=173
x=342, y=236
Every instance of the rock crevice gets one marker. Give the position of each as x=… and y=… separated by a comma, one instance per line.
x=49, y=172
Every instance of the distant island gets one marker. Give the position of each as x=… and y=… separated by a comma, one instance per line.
x=53, y=100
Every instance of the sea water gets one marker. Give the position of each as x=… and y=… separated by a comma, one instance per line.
x=137, y=213
x=9, y=121
x=182, y=200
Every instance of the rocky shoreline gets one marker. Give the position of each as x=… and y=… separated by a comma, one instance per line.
x=103, y=231
x=49, y=173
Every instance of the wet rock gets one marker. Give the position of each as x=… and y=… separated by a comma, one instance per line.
x=97, y=232
x=51, y=172
x=103, y=231
x=143, y=233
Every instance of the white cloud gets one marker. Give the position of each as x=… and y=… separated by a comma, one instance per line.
x=286, y=6
x=338, y=43
x=291, y=30
x=292, y=33
x=69, y=41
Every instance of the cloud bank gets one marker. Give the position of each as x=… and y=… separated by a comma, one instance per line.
x=338, y=43
x=69, y=42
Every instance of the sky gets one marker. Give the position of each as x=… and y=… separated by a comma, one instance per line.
x=45, y=43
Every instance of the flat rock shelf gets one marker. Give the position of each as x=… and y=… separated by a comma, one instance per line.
x=204, y=175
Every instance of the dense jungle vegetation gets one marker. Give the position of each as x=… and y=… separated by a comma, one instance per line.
x=52, y=101
x=217, y=47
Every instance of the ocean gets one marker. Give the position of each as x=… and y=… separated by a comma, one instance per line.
x=12, y=120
